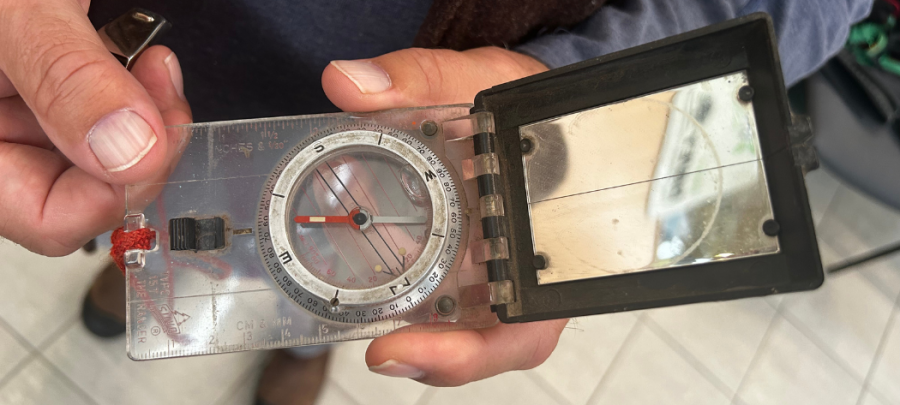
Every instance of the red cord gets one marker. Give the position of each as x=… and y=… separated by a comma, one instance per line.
x=124, y=241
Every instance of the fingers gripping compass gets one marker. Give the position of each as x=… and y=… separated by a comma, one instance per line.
x=360, y=225
x=600, y=187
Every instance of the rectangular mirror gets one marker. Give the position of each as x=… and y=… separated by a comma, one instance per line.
x=665, y=180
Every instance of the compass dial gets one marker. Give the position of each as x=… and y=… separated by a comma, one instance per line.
x=360, y=224
x=355, y=224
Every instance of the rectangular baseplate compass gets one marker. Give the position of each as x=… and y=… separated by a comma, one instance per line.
x=667, y=174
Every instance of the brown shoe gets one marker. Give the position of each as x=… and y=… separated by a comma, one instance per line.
x=103, y=311
x=288, y=380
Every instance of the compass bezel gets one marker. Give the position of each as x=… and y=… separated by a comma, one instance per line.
x=375, y=303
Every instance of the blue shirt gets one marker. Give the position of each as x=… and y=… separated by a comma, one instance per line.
x=809, y=31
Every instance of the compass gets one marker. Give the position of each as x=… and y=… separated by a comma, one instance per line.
x=659, y=190
x=360, y=223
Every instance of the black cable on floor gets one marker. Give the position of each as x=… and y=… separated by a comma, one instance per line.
x=875, y=254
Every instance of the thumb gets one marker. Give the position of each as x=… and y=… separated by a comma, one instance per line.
x=420, y=77
x=454, y=358
x=89, y=106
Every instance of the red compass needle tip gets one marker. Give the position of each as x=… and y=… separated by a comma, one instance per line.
x=344, y=219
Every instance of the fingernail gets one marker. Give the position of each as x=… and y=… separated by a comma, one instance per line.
x=393, y=368
x=121, y=139
x=367, y=76
x=174, y=68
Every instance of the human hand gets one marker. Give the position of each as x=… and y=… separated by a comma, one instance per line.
x=420, y=77
x=75, y=126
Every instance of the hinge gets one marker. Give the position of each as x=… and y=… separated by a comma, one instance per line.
x=484, y=168
x=801, y=137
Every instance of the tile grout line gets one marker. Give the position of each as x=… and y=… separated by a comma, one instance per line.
x=830, y=202
x=32, y=353
x=55, y=335
x=879, y=351
x=809, y=334
x=68, y=325
x=343, y=391
x=242, y=379
x=28, y=359
x=820, y=232
x=868, y=276
x=828, y=208
x=68, y=380
x=547, y=387
x=866, y=381
x=617, y=358
x=763, y=343
x=542, y=382
x=687, y=356
x=15, y=334
x=36, y=354
x=844, y=189
x=426, y=396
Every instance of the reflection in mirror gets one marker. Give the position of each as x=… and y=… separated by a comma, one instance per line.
x=665, y=180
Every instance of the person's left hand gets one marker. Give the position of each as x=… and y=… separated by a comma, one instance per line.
x=415, y=78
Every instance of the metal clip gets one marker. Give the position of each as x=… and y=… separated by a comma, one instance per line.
x=134, y=259
x=134, y=222
x=130, y=34
x=491, y=205
x=467, y=126
x=493, y=293
x=489, y=249
x=486, y=163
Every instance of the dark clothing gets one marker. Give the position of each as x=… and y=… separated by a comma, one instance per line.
x=250, y=59
x=467, y=24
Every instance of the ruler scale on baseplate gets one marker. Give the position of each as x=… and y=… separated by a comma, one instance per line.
x=600, y=187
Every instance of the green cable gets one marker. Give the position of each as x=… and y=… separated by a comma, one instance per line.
x=868, y=42
x=869, y=37
x=889, y=64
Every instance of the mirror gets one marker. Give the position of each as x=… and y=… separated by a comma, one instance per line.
x=665, y=180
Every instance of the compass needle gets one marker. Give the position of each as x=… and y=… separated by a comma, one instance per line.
x=335, y=189
x=399, y=220
x=322, y=219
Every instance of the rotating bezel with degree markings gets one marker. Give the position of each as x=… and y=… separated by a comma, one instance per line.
x=360, y=223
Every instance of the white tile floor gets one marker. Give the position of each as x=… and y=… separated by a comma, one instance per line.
x=837, y=345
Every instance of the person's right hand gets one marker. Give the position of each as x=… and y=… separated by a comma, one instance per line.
x=75, y=126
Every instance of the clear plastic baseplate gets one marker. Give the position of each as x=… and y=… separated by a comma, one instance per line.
x=186, y=303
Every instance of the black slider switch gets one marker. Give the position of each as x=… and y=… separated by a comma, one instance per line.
x=196, y=234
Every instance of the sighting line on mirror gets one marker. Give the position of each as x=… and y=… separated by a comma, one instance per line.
x=646, y=181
